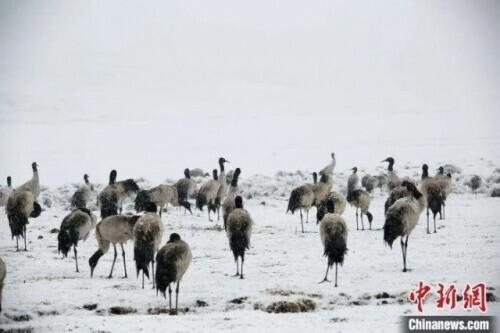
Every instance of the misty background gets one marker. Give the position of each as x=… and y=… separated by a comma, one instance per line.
x=150, y=88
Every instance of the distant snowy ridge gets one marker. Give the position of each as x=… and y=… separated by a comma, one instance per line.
x=281, y=184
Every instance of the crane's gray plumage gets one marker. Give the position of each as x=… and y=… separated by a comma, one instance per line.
x=223, y=188
x=5, y=191
x=161, y=196
x=358, y=198
x=76, y=226
x=112, y=196
x=172, y=262
x=20, y=206
x=207, y=195
x=302, y=197
x=396, y=194
x=431, y=189
x=186, y=187
x=229, y=204
x=116, y=229
x=402, y=217
x=32, y=185
x=328, y=170
x=339, y=201
x=239, y=230
x=82, y=194
x=393, y=180
x=148, y=233
x=369, y=182
x=445, y=183
x=333, y=234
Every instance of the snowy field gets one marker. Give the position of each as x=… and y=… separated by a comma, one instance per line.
x=43, y=292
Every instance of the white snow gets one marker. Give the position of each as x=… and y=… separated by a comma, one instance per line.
x=283, y=264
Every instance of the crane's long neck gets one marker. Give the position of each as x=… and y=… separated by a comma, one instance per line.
x=390, y=167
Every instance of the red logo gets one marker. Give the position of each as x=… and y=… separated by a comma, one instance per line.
x=473, y=296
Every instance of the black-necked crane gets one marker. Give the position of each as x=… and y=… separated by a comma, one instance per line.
x=112, y=196
x=161, y=196
x=115, y=229
x=76, y=226
x=148, y=233
x=431, y=189
x=402, y=217
x=32, y=185
x=333, y=234
x=229, y=204
x=239, y=230
x=393, y=180
x=20, y=206
x=82, y=194
x=5, y=191
x=172, y=262
x=358, y=198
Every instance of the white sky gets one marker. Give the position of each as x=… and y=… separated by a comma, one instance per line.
x=150, y=88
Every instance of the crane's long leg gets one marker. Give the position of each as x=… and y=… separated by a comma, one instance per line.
x=113, y=264
x=242, y=261
x=428, y=231
x=124, y=262
x=301, y=220
x=24, y=231
x=326, y=274
x=336, y=267
x=177, y=297
x=434, y=223
x=357, y=226
x=170, y=299
x=404, y=255
x=237, y=267
x=362, y=222
x=76, y=258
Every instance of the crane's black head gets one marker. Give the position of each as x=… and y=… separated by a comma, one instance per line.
x=214, y=173
x=174, y=237
x=448, y=175
x=441, y=170
x=112, y=177
x=238, y=202
x=34, y=166
x=389, y=160
x=425, y=171
x=150, y=207
x=354, y=170
x=411, y=188
x=130, y=186
x=234, y=180
x=333, y=156
x=330, y=206
x=86, y=178
x=187, y=173
x=9, y=181
x=315, y=177
x=222, y=160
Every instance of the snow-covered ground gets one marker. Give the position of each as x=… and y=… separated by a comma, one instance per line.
x=43, y=292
